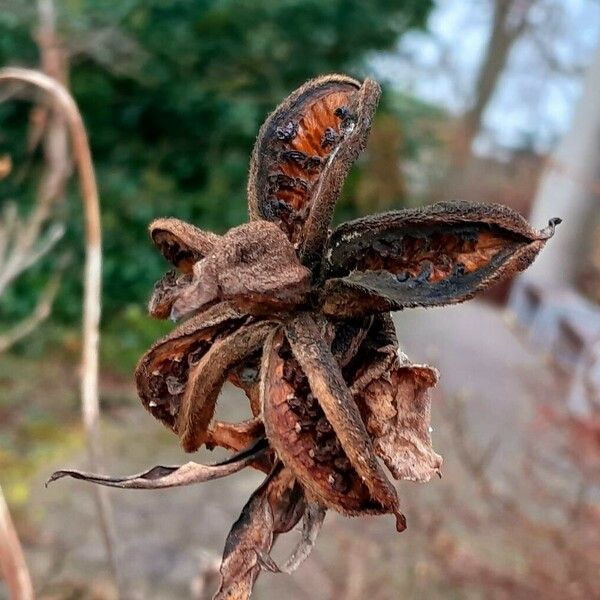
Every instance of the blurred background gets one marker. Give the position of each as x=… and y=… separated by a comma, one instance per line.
x=484, y=100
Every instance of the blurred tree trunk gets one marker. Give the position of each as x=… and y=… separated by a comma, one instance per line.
x=569, y=189
x=508, y=24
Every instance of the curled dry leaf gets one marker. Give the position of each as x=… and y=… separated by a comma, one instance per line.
x=298, y=318
x=394, y=398
x=275, y=507
x=167, y=477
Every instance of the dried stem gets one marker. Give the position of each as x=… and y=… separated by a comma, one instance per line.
x=12, y=562
x=63, y=101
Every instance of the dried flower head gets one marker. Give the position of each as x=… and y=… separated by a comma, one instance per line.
x=298, y=317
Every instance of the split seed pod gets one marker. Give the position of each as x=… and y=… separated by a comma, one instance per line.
x=298, y=317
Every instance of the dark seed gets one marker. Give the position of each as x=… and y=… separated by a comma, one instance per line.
x=342, y=112
x=339, y=483
x=329, y=137
x=287, y=132
x=426, y=270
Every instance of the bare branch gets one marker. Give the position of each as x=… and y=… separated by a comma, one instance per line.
x=12, y=562
x=64, y=102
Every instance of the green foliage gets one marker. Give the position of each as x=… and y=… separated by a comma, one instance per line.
x=173, y=93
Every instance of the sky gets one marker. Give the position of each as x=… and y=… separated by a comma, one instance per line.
x=533, y=103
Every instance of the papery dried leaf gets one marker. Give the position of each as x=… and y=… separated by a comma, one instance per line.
x=274, y=508
x=305, y=440
x=255, y=266
x=166, y=477
x=180, y=243
x=162, y=373
x=295, y=148
x=313, y=517
x=207, y=377
x=394, y=397
x=440, y=254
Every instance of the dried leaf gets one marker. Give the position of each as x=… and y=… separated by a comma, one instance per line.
x=272, y=509
x=394, y=397
x=441, y=254
x=166, y=477
x=314, y=516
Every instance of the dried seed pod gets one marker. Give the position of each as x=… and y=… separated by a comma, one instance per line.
x=357, y=487
x=206, y=378
x=180, y=243
x=394, y=398
x=166, y=291
x=274, y=508
x=246, y=376
x=441, y=254
x=303, y=152
x=254, y=266
x=298, y=318
x=162, y=373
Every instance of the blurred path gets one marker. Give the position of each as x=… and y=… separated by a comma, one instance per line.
x=165, y=533
x=479, y=355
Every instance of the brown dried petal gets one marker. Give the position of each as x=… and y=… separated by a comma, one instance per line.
x=274, y=508
x=394, y=397
x=166, y=477
x=440, y=254
x=162, y=373
x=255, y=266
x=180, y=243
x=293, y=149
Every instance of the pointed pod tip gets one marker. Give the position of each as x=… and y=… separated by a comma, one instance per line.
x=548, y=232
x=56, y=475
x=400, y=522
